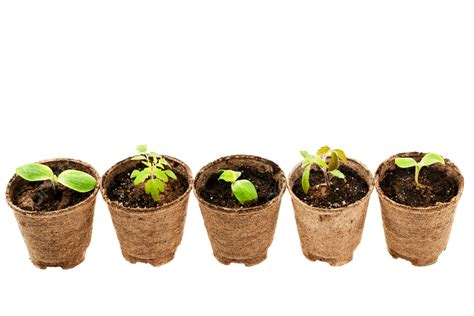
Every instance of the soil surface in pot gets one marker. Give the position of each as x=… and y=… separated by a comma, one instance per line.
x=126, y=193
x=435, y=186
x=218, y=192
x=341, y=193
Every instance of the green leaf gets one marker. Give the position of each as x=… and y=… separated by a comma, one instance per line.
x=142, y=149
x=171, y=174
x=230, y=175
x=163, y=161
x=334, y=163
x=146, y=163
x=244, y=191
x=139, y=157
x=338, y=174
x=305, y=179
x=320, y=162
x=323, y=151
x=305, y=154
x=142, y=176
x=153, y=187
x=340, y=154
x=405, y=162
x=77, y=180
x=430, y=159
x=35, y=172
x=134, y=174
x=160, y=174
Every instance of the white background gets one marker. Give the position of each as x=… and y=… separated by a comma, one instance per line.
x=201, y=79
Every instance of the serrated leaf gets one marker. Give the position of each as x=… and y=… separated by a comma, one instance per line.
x=139, y=157
x=334, y=163
x=305, y=179
x=142, y=149
x=134, y=174
x=142, y=176
x=430, y=159
x=160, y=174
x=323, y=151
x=77, y=180
x=340, y=154
x=244, y=191
x=35, y=172
x=171, y=174
x=405, y=162
x=230, y=175
x=338, y=174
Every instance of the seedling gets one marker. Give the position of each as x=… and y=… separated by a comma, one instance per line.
x=155, y=173
x=328, y=160
x=427, y=160
x=243, y=190
x=73, y=179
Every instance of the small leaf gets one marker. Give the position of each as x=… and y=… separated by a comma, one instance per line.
x=323, y=151
x=153, y=154
x=334, y=163
x=244, y=191
x=77, y=180
x=134, y=174
x=230, y=175
x=338, y=174
x=340, y=154
x=163, y=161
x=159, y=165
x=146, y=163
x=148, y=187
x=142, y=176
x=320, y=162
x=152, y=186
x=139, y=157
x=430, y=159
x=160, y=174
x=305, y=179
x=171, y=174
x=142, y=149
x=304, y=153
x=35, y=172
x=405, y=162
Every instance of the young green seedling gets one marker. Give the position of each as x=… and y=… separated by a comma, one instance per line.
x=243, y=190
x=427, y=160
x=154, y=173
x=73, y=179
x=327, y=159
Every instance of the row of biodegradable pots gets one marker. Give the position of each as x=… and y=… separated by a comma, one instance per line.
x=152, y=235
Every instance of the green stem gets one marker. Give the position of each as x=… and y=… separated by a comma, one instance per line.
x=417, y=174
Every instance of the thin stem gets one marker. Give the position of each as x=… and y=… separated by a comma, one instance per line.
x=417, y=174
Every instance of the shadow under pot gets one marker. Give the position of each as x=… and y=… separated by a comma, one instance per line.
x=330, y=220
x=55, y=222
x=148, y=231
x=240, y=233
x=417, y=220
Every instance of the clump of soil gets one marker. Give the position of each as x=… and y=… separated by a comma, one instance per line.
x=126, y=193
x=219, y=192
x=341, y=193
x=435, y=186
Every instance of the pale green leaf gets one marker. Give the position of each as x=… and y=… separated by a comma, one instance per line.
x=171, y=174
x=338, y=174
x=142, y=176
x=134, y=174
x=430, y=159
x=139, y=157
x=305, y=179
x=163, y=161
x=77, y=180
x=154, y=187
x=323, y=151
x=142, y=149
x=320, y=162
x=405, y=162
x=146, y=163
x=160, y=174
x=334, y=163
x=230, y=175
x=35, y=172
x=244, y=191
x=340, y=154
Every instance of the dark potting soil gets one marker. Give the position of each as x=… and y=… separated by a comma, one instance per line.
x=42, y=197
x=126, y=193
x=341, y=192
x=219, y=192
x=435, y=186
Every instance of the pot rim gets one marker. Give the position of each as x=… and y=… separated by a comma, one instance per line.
x=419, y=209
x=61, y=211
x=338, y=210
x=161, y=208
x=244, y=210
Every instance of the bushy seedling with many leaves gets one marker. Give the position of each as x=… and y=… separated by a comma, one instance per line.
x=328, y=160
x=244, y=191
x=427, y=160
x=155, y=173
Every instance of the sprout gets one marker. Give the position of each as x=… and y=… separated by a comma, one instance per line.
x=427, y=160
x=243, y=190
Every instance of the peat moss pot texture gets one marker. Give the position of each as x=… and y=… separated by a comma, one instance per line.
x=240, y=233
x=148, y=231
x=330, y=223
x=56, y=224
x=417, y=222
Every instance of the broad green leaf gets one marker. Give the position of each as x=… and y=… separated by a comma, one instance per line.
x=340, y=154
x=142, y=176
x=134, y=174
x=305, y=179
x=77, y=180
x=35, y=172
x=430, y=159
x=323, y=151
x=230, y=175
x=244, y=191
x=148, y=187
x=320, y=162
x=142, y=149
x=405, y=162
x=160, y=174
x=139, y=157
x=334, y=163
x=159, y=165
x=154, y=187
x=171, y=174
x=338, y=174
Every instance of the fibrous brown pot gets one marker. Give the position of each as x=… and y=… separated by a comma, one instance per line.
x=56, y=238
x=148, y=235
x=417, y=234
x=240, y=235
x=331, y=235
